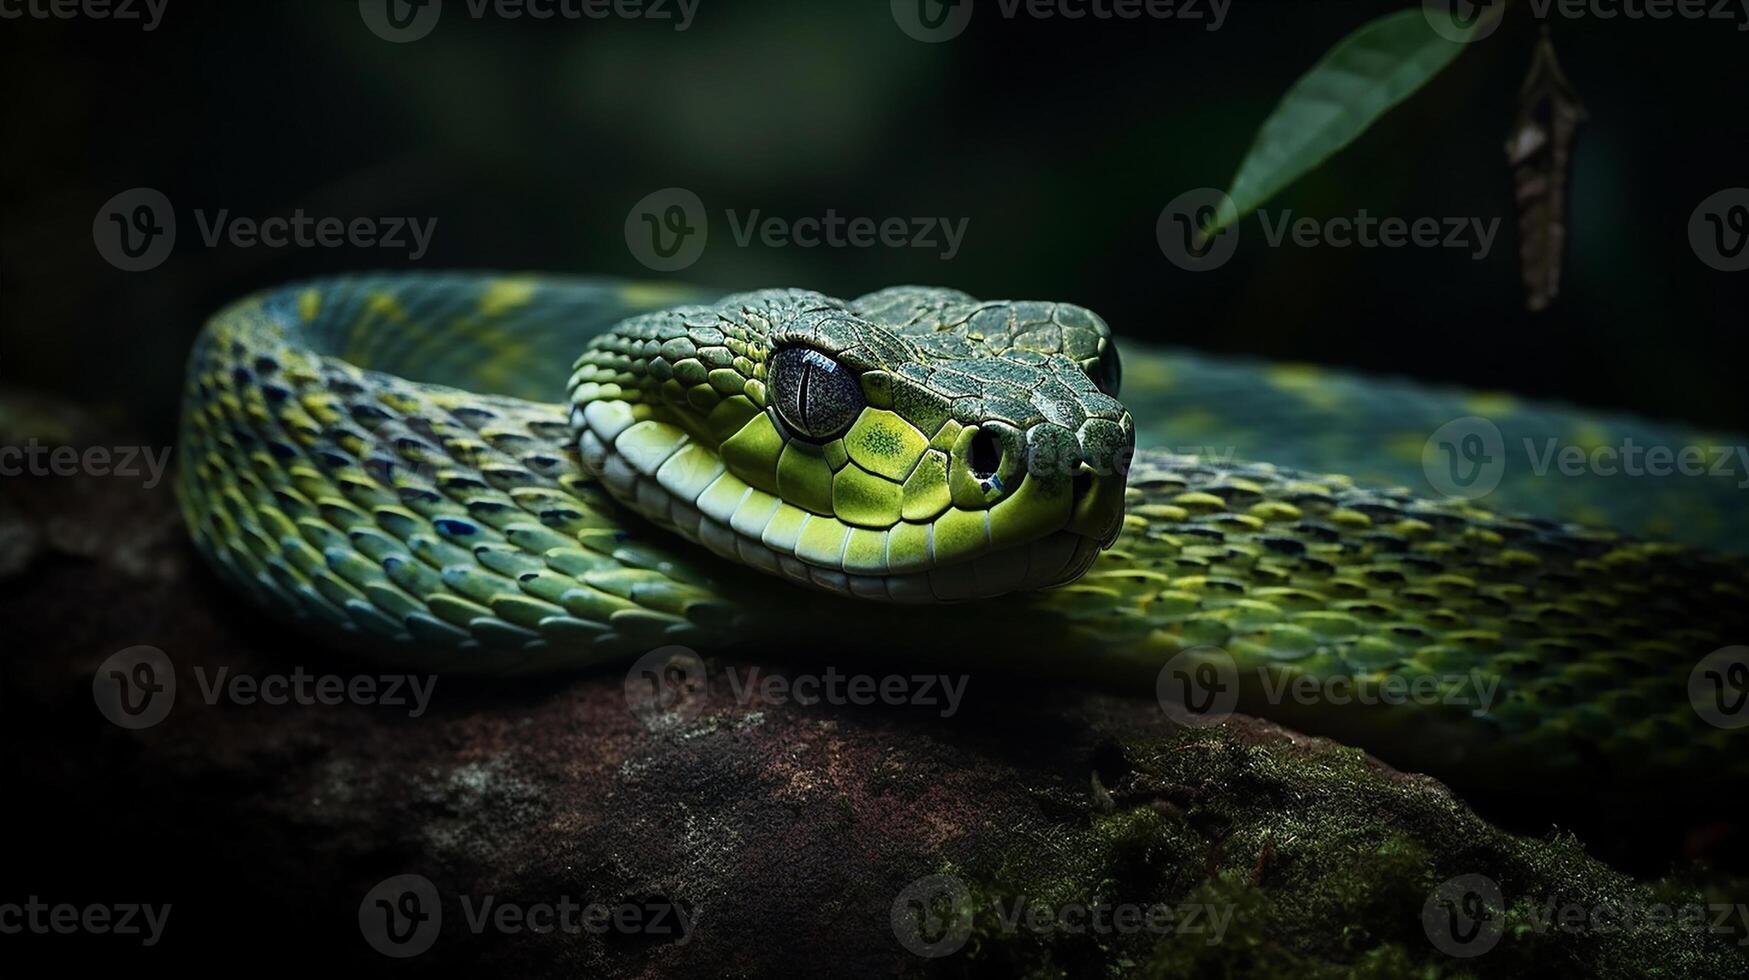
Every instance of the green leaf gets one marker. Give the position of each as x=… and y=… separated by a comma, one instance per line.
x=1359, y=80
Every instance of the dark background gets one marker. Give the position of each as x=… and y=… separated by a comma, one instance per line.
x=1061, y=141
x=529, y=141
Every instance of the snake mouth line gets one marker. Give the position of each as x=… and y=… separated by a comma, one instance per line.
x=680, y=484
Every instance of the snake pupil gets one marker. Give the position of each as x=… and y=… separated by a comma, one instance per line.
x=815, y=395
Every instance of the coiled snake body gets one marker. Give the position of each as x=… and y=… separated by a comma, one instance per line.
x=424, y=468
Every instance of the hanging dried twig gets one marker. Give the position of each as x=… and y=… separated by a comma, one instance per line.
x=1540, y=152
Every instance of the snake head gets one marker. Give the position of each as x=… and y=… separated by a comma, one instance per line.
x=914, y=445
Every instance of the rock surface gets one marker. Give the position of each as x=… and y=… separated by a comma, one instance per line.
x=733, y=833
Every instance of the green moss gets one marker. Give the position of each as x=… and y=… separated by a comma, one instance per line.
x=1315, y=864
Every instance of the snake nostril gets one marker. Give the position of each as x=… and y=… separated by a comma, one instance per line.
x=985, y=455
x=1081, y=485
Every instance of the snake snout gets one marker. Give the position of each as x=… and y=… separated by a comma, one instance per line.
x=1097, y=507
x=1088, y=465
x=1098, y=479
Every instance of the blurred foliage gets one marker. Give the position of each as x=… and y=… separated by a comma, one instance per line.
x=1059, y=140
x=1362, y=77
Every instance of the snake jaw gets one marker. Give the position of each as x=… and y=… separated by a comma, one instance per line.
x=782, y=431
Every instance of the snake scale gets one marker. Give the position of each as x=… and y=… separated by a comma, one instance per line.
x=484, y=474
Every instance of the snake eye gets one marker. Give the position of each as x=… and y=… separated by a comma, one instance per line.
x=814, y=394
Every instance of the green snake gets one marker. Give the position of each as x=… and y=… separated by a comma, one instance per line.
x=480, y=474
